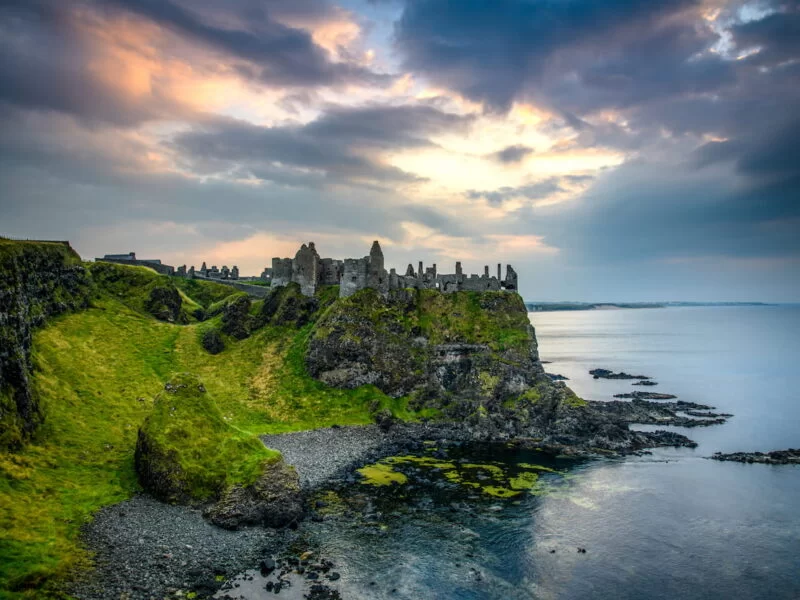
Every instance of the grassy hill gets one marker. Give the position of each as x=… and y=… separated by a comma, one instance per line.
x=96, y=373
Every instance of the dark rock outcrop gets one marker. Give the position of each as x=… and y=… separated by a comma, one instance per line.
x=273, y=500
x=212, y=341
x=557, y=377
x=236, y=319
x=37, y=281
x=659, y=413
x=606, y=374
x=287, y=306
x=164, y=303
x=646, y=396
x=777, y=457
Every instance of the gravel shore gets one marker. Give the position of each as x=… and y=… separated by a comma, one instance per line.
x=322, y=454
x=148, y=549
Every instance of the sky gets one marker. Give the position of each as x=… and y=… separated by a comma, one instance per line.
x=610, y=150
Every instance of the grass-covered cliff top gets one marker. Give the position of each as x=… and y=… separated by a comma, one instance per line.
x=13, y=249
x=497, y=319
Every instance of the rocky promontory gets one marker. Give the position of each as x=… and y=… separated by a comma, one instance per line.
x=469, y=358
x=661, y=413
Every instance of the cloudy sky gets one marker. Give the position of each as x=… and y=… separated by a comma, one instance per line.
x=608, y=149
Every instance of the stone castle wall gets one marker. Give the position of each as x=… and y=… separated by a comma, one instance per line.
x=353, y=274
x=354, y=277
x=310, y=271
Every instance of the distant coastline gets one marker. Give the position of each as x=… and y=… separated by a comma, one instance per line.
x=554, y=306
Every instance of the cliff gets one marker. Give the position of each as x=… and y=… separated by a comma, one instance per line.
x=467, y=357
x=38, y=280
x=459, y=346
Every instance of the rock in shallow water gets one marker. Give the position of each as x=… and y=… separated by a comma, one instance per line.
x=777, y=457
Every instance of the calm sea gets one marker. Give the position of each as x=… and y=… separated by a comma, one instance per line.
x=672, y=525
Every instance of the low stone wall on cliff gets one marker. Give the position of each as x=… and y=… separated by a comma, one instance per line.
x=257, y=291
x=37, y=281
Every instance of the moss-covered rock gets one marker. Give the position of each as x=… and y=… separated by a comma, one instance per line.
x=236, y=319
x=185, y=450
x=212, y=341
x=187, y=453
x=287, y=306
x=164, y=303
x=37, y=281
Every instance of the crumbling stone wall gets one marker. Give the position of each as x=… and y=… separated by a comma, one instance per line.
x=353, y=274
x=307, y=269
x=354, y=278
x=332, y=271
x=281, y=271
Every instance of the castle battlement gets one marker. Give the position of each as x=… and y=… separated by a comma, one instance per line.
x=310, y=271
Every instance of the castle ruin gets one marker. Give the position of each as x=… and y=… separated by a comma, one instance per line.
x=310, y=271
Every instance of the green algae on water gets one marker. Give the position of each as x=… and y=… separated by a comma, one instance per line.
x=381, y=474
x=494, y=479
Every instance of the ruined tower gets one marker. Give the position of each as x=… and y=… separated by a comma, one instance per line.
x=307, y=269
x=377, y=277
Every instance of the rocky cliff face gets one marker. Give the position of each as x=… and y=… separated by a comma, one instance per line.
x=37, y=281
x=471, y=356
x=465, y=349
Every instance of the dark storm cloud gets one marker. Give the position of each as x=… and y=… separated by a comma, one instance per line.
x=512, y=154
x=275, y=53
x=776, y=35
x=769, y=154
x=582, y=54
x=644, y=213
x=47, y=60
x=44, y=67
x=338, y=144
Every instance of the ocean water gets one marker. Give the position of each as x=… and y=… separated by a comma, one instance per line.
x=669, y=525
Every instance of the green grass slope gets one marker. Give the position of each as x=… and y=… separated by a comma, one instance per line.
x=97, y=372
